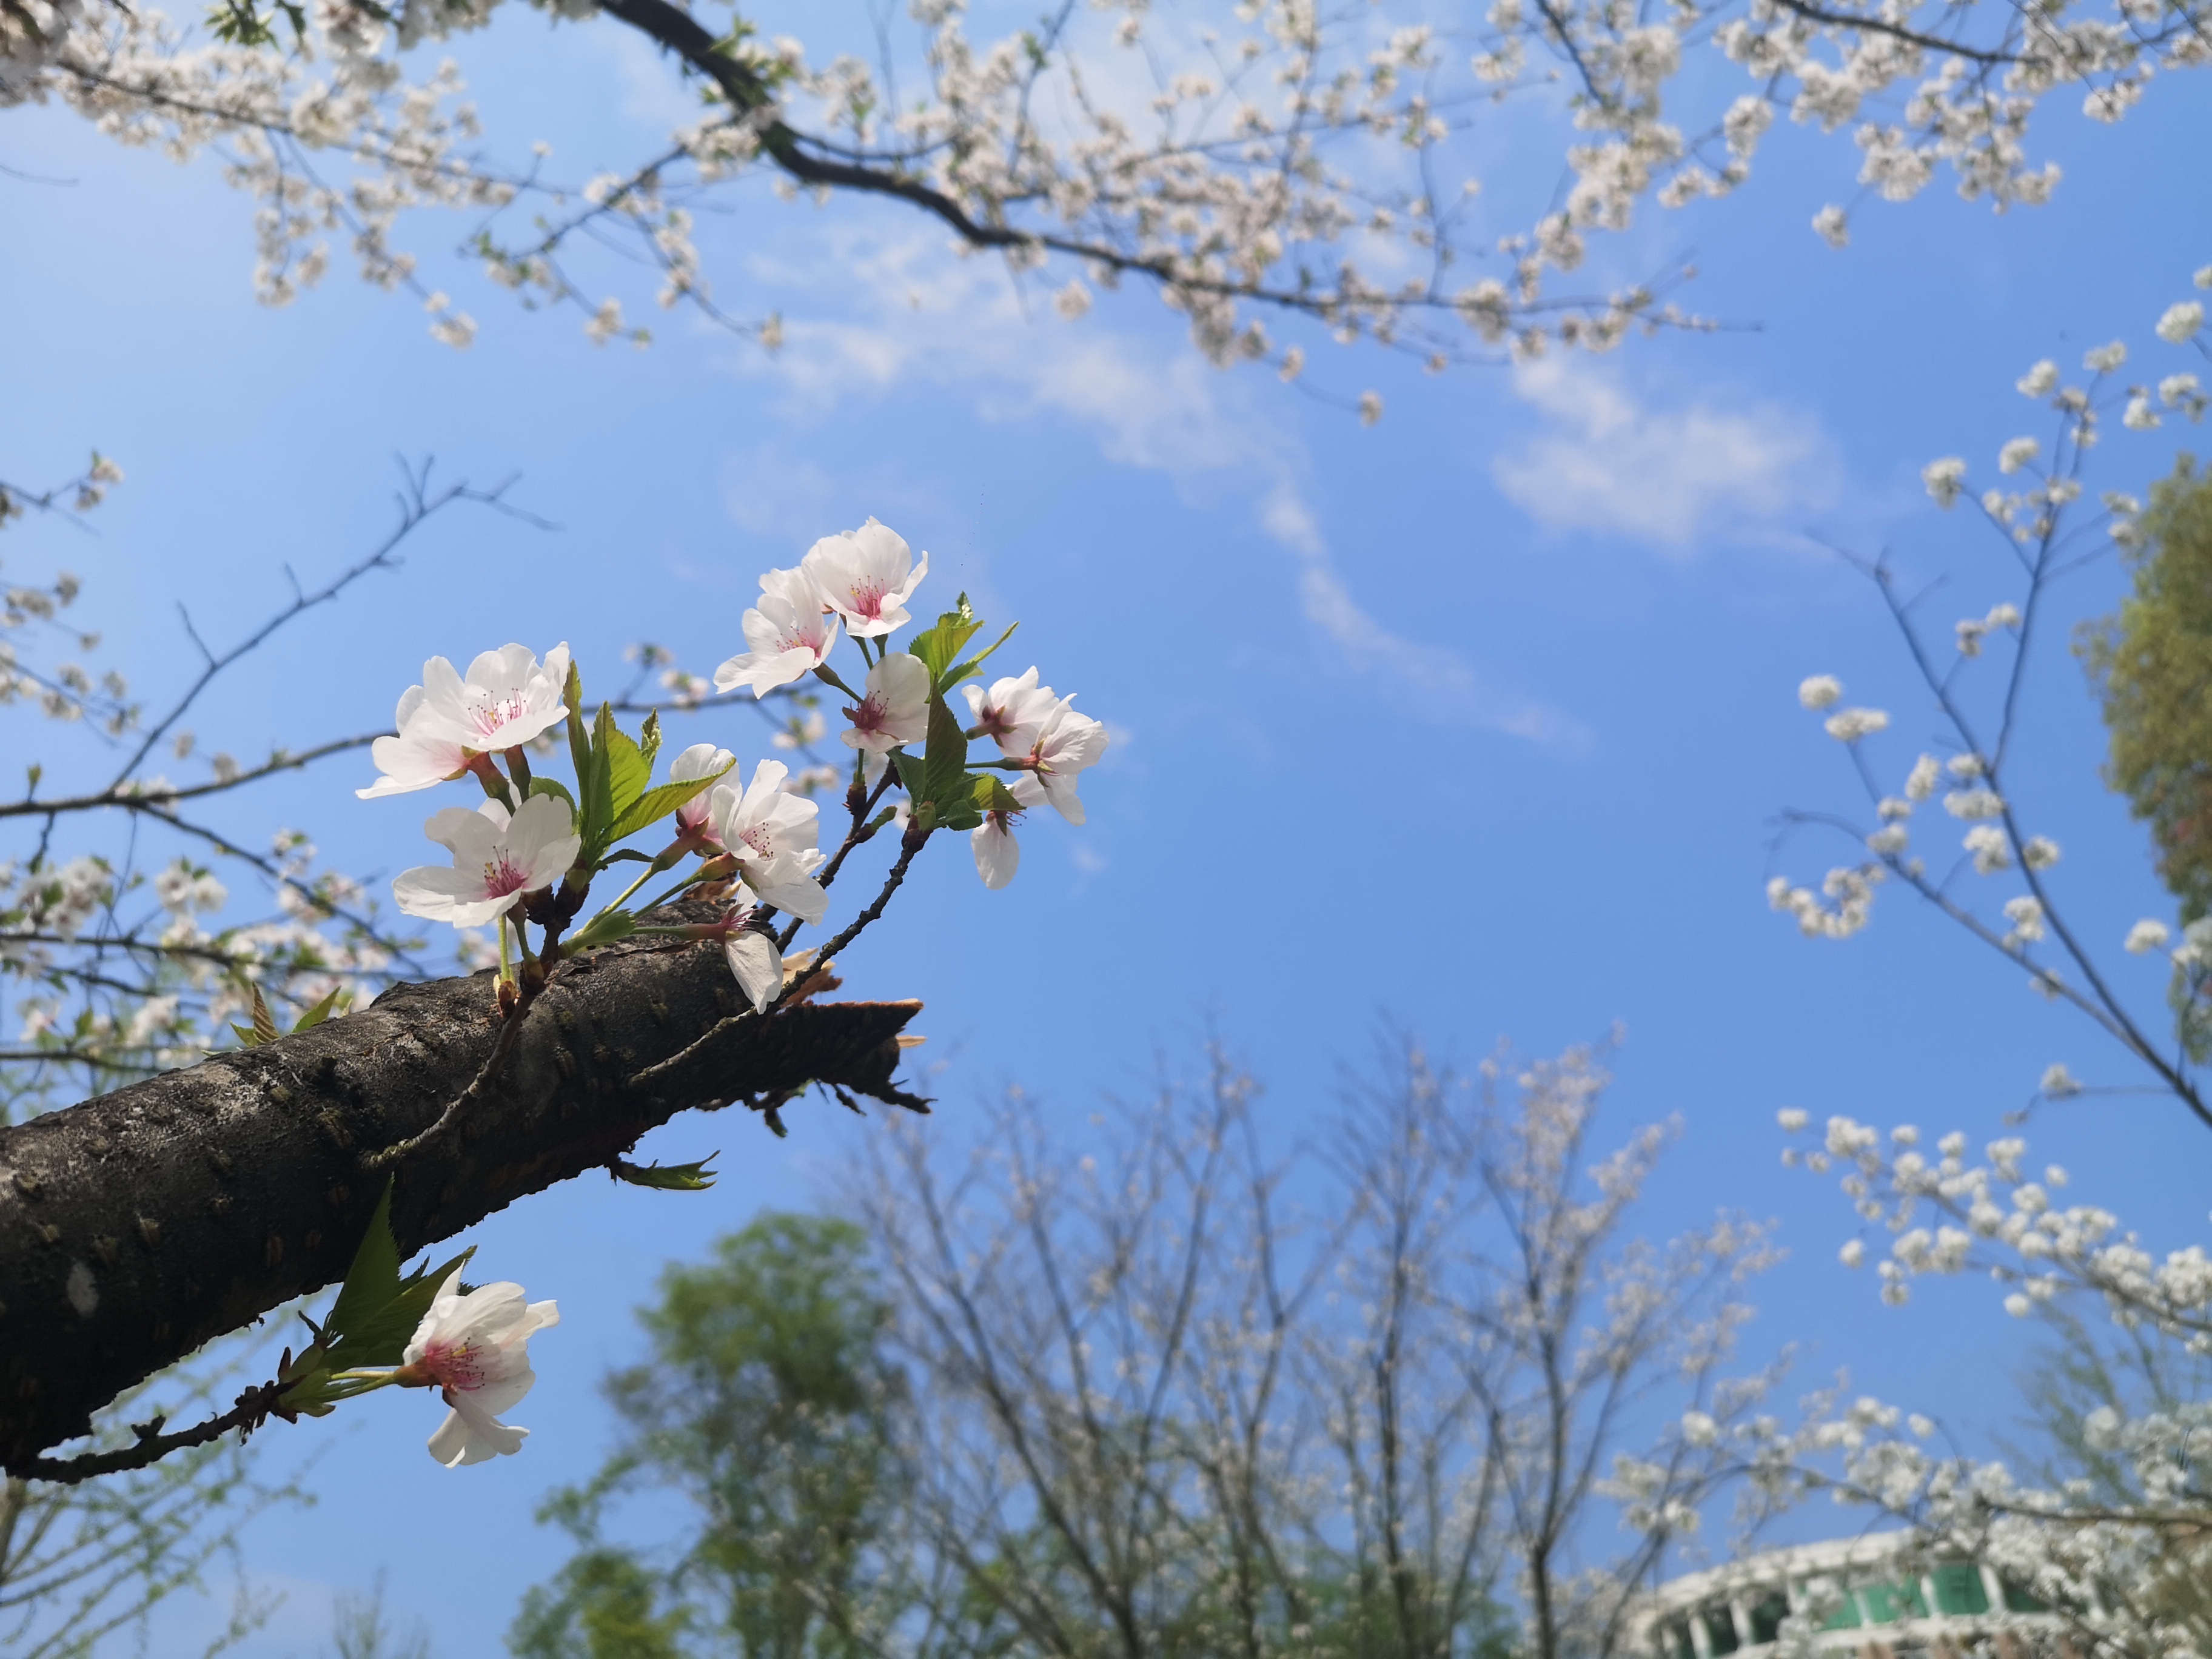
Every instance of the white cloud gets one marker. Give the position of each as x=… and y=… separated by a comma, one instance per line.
x=1148, y=406
x=1680, y=478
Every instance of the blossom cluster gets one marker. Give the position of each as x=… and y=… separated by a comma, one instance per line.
x=2035, y=519
x=1297, y=162
x=55, y=917
x=528, y=851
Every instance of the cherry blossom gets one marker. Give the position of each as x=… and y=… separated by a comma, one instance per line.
x=1068, y=744
x=998, y=855
x=2181, y=322
x=1292, y=172
x=894, y=706
x=2146, y=935
x=694, y=819
x=1946, y=479
x=497, y=858
x=772, y=834
x=474, y=1347
x=753, y=959
x=867, y=576
x=421, y=755
x=506, y=699
x=788, y=634
x=1012, y=712
x=1851, y=724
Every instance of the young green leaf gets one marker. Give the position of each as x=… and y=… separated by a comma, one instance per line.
x=913, y=776
x=658, y=803
x=960, y=814
x=552, y=787
x=264, y=1028
x=946, y=760
x=572, y=696
x=940, y=646
x=628, y=771
x=605, y=928
x=373, y=1278
x=649, y=738
x=322, y=1010
x=377, y=1311
x=382, y=1339
x=974, y=666
x=597, y=791
x=667, y=1177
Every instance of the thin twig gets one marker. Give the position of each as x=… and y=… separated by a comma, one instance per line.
x=416, y=505
x=252, y=1410
x=853, y=931
x=113, y=796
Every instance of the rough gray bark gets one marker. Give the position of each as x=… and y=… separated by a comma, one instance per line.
x=141, y=1223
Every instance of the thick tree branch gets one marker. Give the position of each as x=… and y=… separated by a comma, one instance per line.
x=140, y=1224
x=804, y=159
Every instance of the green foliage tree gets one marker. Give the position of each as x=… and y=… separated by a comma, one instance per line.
x=767, y=1403
x=2151, y=662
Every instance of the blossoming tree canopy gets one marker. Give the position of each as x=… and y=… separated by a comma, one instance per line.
x=743, y=869
x=2111, y=1540
x=1275, y=164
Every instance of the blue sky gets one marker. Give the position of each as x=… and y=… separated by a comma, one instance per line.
x=1477, y=722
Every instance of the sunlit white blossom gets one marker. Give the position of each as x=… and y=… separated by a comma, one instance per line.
x=998, y=855
x=755, y=961
x=1991, y=852
x=2146, y=935
x=1973, y=804
x=773, y=835
x=1850, y=725
x=788, y=634
x=474, y=1347
x=894, y=706
x=2181, y=321
x=496, y=859
x=505, y=700
x=1067, y=744
x=419, y=756
x=867, y=576
x=701, y=760
x=1818, y=691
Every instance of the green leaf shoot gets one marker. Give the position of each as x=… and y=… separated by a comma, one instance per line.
x=666, y=1177
x=659, y=802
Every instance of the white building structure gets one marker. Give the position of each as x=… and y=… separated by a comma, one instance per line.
x=1861, y=1600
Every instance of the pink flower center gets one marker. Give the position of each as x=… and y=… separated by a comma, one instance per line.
x=870, y=716
x=868, y=598
x=454, y=1365
x=490, y=716
x=501, y=877
x=757, y=837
